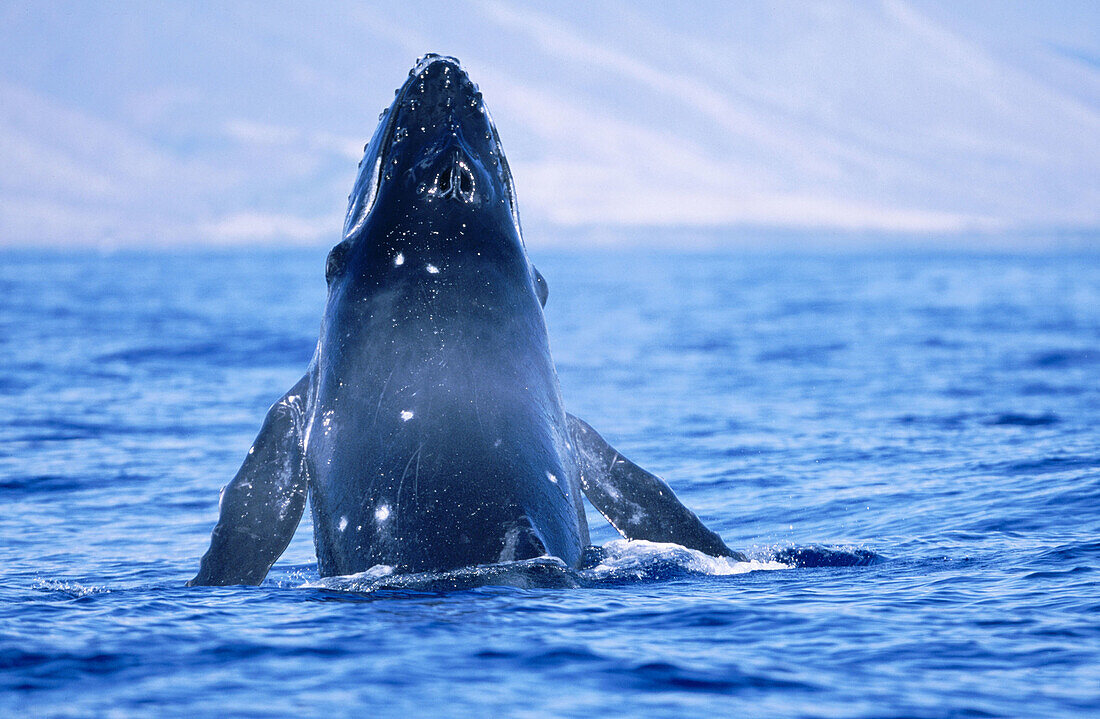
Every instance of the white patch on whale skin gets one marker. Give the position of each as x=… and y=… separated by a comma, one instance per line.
x=406, y=415
x=432, y=270
x=551, y=477
x=511, y=541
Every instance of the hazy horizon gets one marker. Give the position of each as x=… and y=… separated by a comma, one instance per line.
x=839, y=124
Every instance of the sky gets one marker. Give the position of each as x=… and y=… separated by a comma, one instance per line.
x=195, y=124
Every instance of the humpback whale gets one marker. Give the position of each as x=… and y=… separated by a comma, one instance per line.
x=428, y=431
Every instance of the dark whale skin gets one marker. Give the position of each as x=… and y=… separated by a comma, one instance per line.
x=429, y=431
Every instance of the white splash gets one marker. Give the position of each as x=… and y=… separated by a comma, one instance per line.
x=551, y=477
x=343, y=523
x=351, y=582
x=382, y=513
x=432, y=270
x=637, y=556
x=406, y=415
x=399, y=260
x=73, y=589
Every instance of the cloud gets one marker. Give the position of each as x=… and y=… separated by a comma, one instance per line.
x=631, y=175
x=688, y=88
x=885, y=117
x=253, y=227
x=258, y=133
x=592, y=195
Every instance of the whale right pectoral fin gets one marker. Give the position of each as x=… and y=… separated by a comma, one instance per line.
x=261, y=507
x=637, y=503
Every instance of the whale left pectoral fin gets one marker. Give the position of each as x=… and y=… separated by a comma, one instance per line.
x=637, y=503
x=261, y=507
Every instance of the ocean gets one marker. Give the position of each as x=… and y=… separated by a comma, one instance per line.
x=904, y=444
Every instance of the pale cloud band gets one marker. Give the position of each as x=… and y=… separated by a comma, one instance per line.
x=891, y=118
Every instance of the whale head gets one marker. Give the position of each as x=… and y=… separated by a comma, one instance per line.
x=433, y=181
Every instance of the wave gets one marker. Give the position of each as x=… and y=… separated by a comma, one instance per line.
x=68, y=588
x=538, y=573
x=641, y=560
x=617, y=562
x=1063, y=358
x=1020, y=419
x=242, y=350
x=822, y=555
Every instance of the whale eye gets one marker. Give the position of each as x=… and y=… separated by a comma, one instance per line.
x=337, y=257
x=542, y=290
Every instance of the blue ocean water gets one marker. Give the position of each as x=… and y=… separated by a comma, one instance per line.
x=905, y=445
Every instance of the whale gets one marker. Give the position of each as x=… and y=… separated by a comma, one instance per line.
x=428, y=432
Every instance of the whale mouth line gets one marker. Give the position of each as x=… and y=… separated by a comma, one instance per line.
x=389, y=132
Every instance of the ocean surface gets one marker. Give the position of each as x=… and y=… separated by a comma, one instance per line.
x=905, y=445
